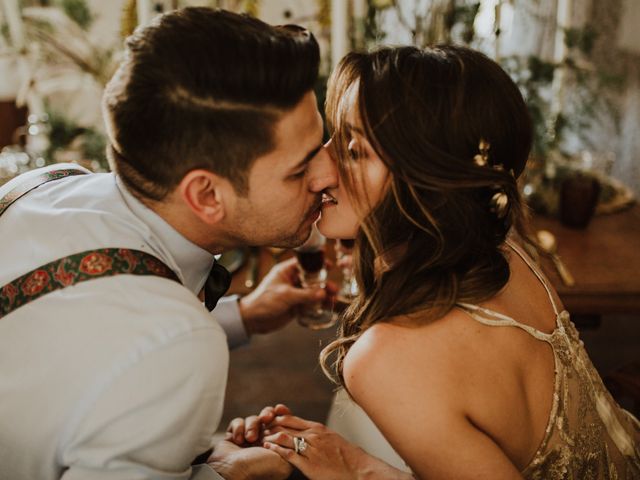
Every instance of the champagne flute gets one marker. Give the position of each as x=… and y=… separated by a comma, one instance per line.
x=313, y=274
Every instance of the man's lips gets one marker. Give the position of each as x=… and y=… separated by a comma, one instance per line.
x=314, y=211
x=328, y=200
x=325, y=201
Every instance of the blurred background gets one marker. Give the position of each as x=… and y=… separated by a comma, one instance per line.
x=577, y=63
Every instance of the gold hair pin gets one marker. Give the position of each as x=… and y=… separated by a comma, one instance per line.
x=482, y=159
x=499, y=203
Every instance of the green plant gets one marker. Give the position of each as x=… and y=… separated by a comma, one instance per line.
x=89, y=143
x=78, y=11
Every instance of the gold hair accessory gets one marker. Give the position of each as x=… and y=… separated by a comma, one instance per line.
x=499, y=203
x=482, y=159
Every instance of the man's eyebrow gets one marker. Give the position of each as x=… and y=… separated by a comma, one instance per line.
x=307, y=158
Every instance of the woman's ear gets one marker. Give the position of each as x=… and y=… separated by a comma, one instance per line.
x=204, y=193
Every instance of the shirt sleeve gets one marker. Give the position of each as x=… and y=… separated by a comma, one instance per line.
x=152, y=418
x=227, y=313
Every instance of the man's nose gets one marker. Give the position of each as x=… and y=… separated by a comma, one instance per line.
x=323, y=172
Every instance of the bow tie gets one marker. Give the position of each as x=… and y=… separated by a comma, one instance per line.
x=216, y=285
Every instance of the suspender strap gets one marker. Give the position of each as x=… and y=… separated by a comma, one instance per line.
x=34, y=182
x=76, y=268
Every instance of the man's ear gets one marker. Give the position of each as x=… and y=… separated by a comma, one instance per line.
x=204, y=194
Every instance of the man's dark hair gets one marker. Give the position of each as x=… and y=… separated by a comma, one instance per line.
x=203, y=88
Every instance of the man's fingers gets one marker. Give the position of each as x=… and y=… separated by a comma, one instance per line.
x=282, y=409
x=287, y=268
x=269, y=413
x=236, y=431
x=252, y=428
x=299, y=296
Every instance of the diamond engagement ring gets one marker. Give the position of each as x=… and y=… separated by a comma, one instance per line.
x=299, y=444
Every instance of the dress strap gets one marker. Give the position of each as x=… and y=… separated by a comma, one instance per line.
x=536, y=272
x=495, y=319
x=492, y=318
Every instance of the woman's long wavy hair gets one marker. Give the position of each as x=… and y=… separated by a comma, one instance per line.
x=433, y=240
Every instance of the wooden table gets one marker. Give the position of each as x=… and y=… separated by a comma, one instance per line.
x=604, y=258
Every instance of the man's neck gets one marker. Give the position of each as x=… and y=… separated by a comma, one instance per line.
x=176, y=214
x=181, y=219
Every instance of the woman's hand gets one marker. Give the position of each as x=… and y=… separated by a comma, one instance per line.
x=323, y=453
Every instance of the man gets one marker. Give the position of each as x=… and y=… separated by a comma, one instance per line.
x=215, y=143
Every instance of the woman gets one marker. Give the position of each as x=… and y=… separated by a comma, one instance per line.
x=457, y=348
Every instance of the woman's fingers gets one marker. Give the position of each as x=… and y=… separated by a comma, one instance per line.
x=284, y=445
x=287, y=454
x=283, y=439
x=291, y=421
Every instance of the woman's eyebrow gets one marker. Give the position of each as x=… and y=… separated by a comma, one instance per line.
x=353, y=128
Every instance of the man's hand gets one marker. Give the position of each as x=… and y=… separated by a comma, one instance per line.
x=273, y=303
x=248, y=431
x=235, y=463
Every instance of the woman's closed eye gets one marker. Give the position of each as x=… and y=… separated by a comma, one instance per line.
x=355, y=150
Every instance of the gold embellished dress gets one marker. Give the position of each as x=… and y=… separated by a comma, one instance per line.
x=588, y=435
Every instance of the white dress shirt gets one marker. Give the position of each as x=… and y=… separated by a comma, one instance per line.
x=115, y=378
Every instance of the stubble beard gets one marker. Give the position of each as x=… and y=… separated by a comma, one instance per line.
x=252, y=233
x=262, y=235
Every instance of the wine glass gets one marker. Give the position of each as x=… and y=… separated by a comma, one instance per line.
x=349, y=287
x=313, y=273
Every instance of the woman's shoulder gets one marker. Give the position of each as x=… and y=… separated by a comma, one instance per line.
x=405, y=350
x=415, y=330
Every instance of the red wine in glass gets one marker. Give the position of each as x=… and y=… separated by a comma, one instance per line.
x=347, y=243
x=313, y=273
x=311, y=261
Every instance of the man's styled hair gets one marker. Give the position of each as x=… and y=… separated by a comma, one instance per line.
x=203, y=88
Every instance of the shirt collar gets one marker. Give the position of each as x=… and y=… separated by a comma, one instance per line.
x=192, y=262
